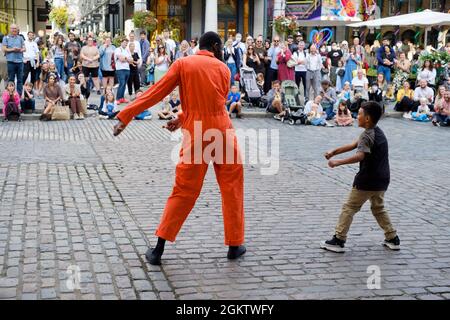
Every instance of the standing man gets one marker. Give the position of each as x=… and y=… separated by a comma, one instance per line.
x=313, y=76
x=334, y=56
x=262, y=54
x=204, y=82
x=71, y=53
x=272, y=72
x=30, y=58
x=145, y=47
x=13, y=46
x=171, y=46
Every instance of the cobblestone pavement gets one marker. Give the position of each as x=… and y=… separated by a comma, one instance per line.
x=73, y=196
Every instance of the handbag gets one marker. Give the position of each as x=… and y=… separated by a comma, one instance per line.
x=341, y=72
x=291, y=62
x=61, y=112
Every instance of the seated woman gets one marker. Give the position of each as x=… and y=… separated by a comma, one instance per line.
x=52, y=95
x=73, y=98
x=428, y=73
x=84, y=87
x=316, y=116
x=405, y=98
x=442, y=115
x=109, y=108
x=439, y=99
x=11, y=103
x=343, y=116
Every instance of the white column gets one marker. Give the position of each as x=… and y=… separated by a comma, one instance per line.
x=258, y=18
x=278, y=9
x=140, y=5
x=196, y=18
x=211, y=15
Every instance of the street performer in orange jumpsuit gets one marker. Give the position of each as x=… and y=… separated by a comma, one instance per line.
x=203, y=80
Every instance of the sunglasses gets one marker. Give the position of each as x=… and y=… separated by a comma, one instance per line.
x=276, y=40
x=161, y=48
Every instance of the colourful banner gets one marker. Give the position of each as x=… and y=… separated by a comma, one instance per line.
x=304, y=10
x=341, y=10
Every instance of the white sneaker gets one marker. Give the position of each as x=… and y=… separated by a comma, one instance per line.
x=407, y=115
x=102, y=117
x=75, y=116
x=277, y=117
x=148, y=117
x=80, y=116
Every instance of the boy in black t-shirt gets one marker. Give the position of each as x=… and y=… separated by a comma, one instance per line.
x=371, y=182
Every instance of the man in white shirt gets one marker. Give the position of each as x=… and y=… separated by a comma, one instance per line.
x=313, y=76
x=170, y=44
x=422, y=91
x=122, y=58
x=30, y=58
x=300, y=68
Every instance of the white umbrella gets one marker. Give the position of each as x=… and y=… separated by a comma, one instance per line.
x=423, y=18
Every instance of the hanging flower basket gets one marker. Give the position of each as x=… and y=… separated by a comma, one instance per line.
x=286, y=25
x=146, y=20
x=60, y=15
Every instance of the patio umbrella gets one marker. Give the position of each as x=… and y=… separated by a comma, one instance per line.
x=425, y=18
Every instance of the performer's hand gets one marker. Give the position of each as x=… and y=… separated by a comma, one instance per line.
x=118, y=128
x=332, y=163
x=172, y=125
x=329, y=154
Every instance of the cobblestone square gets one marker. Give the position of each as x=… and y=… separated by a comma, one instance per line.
x=77, y=201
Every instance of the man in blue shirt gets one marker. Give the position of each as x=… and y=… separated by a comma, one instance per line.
x=13, y=46
x=145, y=47
x=272, y=72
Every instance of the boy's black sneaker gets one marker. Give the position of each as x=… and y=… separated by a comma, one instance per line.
x=335, y=245
x=393, y=244
x=152, y=257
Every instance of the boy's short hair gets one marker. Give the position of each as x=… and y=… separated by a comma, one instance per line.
x=139, y=91
x=276, y=82
x=233, y=86
x=373, y=110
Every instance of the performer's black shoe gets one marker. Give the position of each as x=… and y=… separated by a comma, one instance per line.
x=236, y=252
x=153, y=257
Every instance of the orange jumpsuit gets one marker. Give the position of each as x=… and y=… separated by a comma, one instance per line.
x=203, y=83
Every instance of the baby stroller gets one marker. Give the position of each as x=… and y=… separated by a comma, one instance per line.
x=293, y=111
x=249, y=85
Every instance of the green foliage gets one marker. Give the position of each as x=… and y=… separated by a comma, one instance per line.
x=60, y=15
x=145, y=20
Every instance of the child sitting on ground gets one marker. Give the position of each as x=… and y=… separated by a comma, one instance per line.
x=233, y=103
x=109, y=108
x=343, y=116
x=11, y=102
x=423, y=112
x=27, y=103
x=371, y=182
x=316, y=117
x=166, y=112
x=146, y=114
x=175, y=103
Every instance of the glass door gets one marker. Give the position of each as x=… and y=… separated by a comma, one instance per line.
x=226, y=27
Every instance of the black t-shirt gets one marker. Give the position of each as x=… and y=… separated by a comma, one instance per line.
x=174, y=104
x=335, y=56
x=135, y=57
x=374, y=173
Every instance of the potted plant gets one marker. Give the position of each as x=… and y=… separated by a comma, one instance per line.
x=146, y=20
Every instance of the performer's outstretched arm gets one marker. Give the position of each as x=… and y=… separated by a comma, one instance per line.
x=153, y=95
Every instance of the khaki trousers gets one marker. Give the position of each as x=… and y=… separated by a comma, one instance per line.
x=355, y=201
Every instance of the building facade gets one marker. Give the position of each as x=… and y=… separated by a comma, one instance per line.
x=190, y=17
